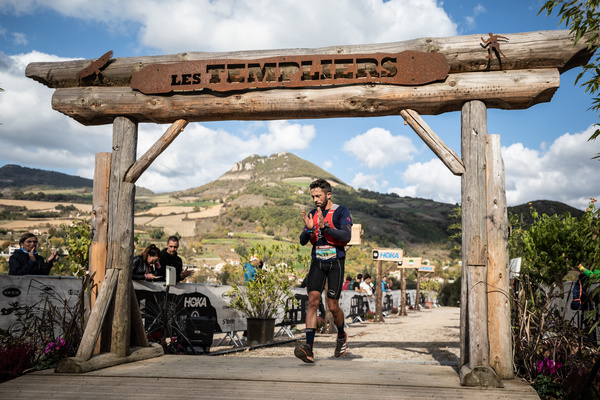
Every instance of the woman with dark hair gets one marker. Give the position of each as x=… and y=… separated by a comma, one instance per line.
x=27, y=261
x=146, y=265
x=365, y=285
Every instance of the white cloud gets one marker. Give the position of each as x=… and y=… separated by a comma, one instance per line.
x=36, y=136
x=470, y=21
x=32, y=133
x=369, y=181
x=19, y=39
x=479, y=9
x=565, y=172
x=200, y=154
x=225, y=25
x=378, y=148
x=430, y=180
x=327, y=165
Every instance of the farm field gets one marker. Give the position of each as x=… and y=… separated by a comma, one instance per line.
x=44, y=205
x=173, y=224
x=166, y=210
x=32, y=224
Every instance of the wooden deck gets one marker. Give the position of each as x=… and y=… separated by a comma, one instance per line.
x=222, y=377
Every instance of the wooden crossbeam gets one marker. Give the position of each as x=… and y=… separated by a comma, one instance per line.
x=445, y=153
x=157, y=148
x=509, y=90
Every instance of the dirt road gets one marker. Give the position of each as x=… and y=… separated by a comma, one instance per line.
x=428, y=336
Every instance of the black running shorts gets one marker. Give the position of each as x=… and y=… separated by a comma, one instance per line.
x=331, y=271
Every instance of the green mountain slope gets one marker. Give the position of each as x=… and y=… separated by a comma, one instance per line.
x=19, y=177
x=267, y=195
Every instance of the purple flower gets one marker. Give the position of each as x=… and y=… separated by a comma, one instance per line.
x=49, y=347
x=548, y=366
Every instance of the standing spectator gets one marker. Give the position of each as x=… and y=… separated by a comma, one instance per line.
x=384, y=284
x=146, y=266
x=329, y=228
x=169, y=257
x=27, y=261
x=251, y=267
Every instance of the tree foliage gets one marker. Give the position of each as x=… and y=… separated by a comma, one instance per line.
x=268, y=291
x=79, y=240
x=553, y=245
x=583, y=20
x=551, y=352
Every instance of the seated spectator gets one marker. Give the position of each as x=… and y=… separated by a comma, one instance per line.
x=26, y=260
x=357, y=282
x=365, y=285
x=347, y=283
x=146, y=266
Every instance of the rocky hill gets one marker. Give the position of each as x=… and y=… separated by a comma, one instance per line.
x=267, y=194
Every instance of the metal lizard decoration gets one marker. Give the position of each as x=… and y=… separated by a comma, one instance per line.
x=493, y=44
x=94, y=67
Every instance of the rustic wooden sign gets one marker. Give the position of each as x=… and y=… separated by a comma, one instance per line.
x=404, y=68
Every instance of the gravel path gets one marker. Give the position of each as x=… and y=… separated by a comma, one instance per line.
x=426, y=337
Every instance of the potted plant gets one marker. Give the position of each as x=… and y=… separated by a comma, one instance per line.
x=430, y=287
x=261, y=299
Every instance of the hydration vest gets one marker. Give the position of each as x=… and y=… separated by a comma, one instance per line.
x=329, y=221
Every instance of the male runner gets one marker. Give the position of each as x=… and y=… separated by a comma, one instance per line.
x=329, y=228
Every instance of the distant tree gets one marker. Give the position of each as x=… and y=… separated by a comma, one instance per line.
x=553, y=245
x=582, y=17
x=226, y=273
x=456, y=229
x=157, y=233
x=4, y=245
x=79, y=240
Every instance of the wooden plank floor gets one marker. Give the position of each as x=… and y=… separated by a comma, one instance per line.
x=201, y=377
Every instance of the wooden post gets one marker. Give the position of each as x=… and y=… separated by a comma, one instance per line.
x=99, y=223
x=378, y=294
x=498, y=269
x=138, y=333
x=402, y=310
x=98, y=247
x=417, y=306
x=97, y=317
x=474, y=361
x=120, y=229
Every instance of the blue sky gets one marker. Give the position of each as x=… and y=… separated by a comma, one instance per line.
x=545, y=148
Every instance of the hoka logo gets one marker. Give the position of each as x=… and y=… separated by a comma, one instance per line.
x=194, y=302
x=389, y=255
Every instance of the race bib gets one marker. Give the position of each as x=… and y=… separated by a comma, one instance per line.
x=325, y=252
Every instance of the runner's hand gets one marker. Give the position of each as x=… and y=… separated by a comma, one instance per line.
x=307, y=221
x=321, y=219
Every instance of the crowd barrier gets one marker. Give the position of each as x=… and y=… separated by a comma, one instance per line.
x=187, y=301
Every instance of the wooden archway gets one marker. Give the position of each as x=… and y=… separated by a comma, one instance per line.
x=478, y=76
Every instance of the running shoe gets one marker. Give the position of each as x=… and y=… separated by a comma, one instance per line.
x=304, y=353
x=340, y=345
